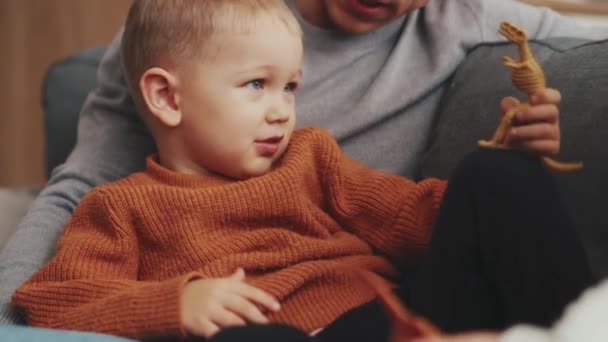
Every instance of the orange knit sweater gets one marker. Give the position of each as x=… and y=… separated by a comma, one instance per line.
x=132, y=244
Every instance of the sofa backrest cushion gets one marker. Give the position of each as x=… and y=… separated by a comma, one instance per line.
x=66, y=85
x=579, y=69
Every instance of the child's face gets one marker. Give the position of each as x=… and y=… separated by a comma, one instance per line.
x=238, y=108
x=356, y=16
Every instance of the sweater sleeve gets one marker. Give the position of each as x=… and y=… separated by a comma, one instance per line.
x=112, y=143
x=393, y=214
x=91, y=284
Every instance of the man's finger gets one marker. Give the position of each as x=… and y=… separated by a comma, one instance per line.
x=508, y=103
x=533, y=132
x=541, y=147
x=545, y=96
x=540, y=113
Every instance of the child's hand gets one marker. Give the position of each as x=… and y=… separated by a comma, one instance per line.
x=536, y=128
x=208, y=305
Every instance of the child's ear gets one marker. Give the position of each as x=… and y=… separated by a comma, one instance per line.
x=158, y=89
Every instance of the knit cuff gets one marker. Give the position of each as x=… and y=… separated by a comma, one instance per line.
x=133, y=309
x=161, y=313
x=413, y=225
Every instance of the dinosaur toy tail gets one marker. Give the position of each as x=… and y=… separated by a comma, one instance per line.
x=560, y=166
x=405, y=326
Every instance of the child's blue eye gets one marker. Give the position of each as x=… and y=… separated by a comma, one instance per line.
x=256, y=84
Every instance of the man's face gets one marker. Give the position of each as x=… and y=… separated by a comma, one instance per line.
x=357, y=16
x=238, y=109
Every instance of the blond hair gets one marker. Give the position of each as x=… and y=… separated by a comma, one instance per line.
x=173, y=30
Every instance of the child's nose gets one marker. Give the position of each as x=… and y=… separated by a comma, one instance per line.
x=275, y=116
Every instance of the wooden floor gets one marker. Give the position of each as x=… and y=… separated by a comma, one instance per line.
x=35, y=33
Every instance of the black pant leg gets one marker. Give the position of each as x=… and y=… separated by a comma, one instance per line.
x=366, y=323
x=262, y=333
x=503, y=251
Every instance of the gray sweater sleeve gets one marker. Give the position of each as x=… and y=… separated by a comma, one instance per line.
x=111, y=143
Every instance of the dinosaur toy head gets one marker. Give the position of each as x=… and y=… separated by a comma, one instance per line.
x=513, y=33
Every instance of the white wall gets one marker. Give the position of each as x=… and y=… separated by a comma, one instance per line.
x=593, y=19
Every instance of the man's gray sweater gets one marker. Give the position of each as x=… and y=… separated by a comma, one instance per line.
x=377, y=93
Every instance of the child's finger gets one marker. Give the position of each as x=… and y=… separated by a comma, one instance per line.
x=547, y=95
x=205, y=328
x=255, y=295
x=226, y=318
x=239, y=274
x=245, y=309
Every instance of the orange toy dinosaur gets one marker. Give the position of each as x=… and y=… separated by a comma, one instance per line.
x=404, y=325
x=527, y=76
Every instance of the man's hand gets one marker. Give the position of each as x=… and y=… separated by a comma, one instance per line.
x=208, y=305
x=536, y=128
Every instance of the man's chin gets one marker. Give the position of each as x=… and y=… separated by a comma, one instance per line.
x=347, y=24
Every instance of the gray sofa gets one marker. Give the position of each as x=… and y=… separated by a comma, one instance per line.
x=469, y=111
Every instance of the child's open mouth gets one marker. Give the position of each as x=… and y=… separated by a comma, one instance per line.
x=268, y=147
